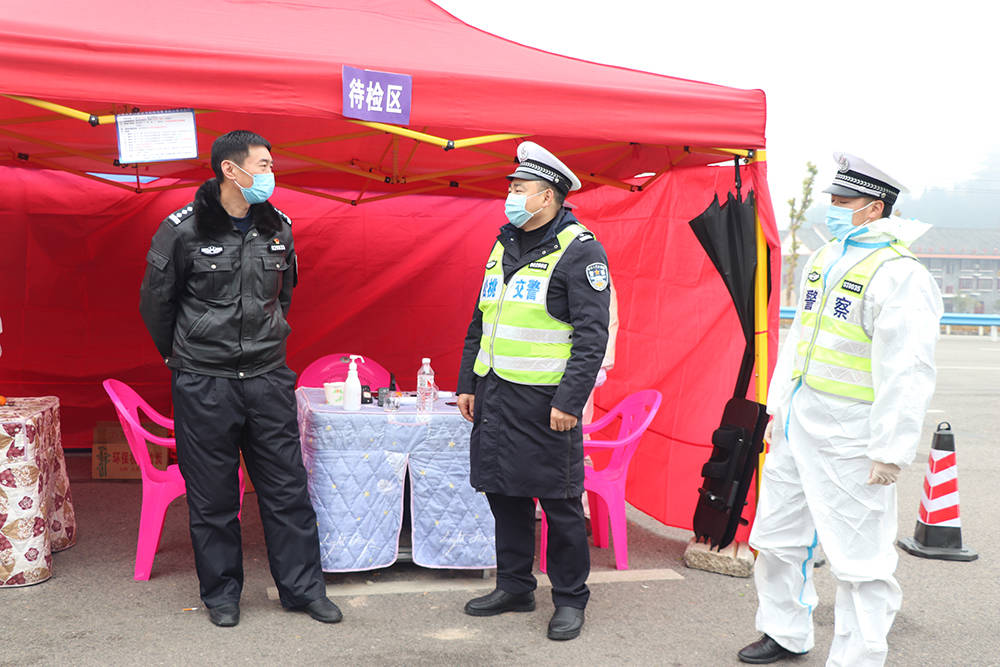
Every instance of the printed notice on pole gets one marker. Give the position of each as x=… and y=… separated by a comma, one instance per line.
x=156, y=136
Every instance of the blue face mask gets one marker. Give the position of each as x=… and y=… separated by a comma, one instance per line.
x=262, y=188
x=839, y=220
x=516, y=210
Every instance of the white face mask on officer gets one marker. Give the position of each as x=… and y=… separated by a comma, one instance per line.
x=516, y=208
x=840, y=220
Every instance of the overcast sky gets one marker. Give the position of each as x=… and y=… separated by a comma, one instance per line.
x=910, y=86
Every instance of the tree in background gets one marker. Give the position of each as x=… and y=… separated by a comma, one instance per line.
x=796, y=217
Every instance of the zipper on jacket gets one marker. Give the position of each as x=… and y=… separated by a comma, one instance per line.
x=496, y=321
x=819, y=312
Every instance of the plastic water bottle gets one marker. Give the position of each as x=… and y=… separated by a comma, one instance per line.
x=425, y=386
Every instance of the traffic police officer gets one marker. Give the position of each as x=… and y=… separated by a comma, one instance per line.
x=847, y=398
x=217, y=289
x=532, y=353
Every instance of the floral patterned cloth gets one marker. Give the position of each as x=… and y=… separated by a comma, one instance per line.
x=36, y=509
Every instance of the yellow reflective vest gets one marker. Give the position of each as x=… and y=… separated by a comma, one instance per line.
x=521, y=342
x=834, y=353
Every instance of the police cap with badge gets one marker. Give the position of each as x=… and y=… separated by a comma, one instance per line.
x=857, y=178
x=534, y=163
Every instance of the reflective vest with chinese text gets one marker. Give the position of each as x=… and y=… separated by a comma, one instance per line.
x=521, y=342
x=834, y=354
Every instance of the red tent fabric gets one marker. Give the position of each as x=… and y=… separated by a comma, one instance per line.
x=284, y=59
x=394, y=278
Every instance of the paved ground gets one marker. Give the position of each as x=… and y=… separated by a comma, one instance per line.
x=657, y=613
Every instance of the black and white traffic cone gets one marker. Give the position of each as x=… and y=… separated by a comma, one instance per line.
x=939, y=528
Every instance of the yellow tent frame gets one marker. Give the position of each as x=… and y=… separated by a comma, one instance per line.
x=438, y=180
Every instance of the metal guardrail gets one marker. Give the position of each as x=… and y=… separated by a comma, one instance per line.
x=948, y=320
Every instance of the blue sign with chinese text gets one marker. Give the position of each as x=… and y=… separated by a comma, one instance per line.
x=383, y=97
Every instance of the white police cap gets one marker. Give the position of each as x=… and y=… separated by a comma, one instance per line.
x=535, y=163
x=857, y=178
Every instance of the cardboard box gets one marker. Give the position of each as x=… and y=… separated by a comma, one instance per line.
x=111, y=458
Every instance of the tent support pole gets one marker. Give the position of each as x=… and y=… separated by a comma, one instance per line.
x=324, y=140
x=347, y=169
x=604, y=180
x=102, y=159
x=486, y=139
x=324, y=195
x=440, y=142
x=760, y=317
x=405, y=132
x=65, y=111
x=30, y=119
x=413, y=151
x=459, y=170
x=77, y=172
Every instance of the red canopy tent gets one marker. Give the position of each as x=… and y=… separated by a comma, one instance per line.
x=384, y=274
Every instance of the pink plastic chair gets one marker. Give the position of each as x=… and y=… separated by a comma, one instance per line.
x=159, y=487
x=333, y=368
x=606, y=486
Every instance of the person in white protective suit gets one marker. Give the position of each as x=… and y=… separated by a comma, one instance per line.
x=847, y=401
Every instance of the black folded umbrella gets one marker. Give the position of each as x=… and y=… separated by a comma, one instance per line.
x=728, y=235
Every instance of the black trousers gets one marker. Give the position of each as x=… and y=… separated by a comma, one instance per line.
x=215, y=419
x=568, y=552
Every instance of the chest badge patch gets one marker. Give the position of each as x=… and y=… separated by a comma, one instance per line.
x=597, y=276
x=277, y=245
x=490, y=264
x=211, y=250
x=539, y=265
x=813, y=276
x=852, y=286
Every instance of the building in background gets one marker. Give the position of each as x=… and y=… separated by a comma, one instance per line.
x=964, y=262
x=966, y=265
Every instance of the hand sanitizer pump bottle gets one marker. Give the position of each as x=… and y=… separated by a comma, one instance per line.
x=352, y=387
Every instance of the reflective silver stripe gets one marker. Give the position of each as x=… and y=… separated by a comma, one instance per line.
x=527, y=334
x=820, y=371
x=529, y=364
x=834, y=342
x=483, y=357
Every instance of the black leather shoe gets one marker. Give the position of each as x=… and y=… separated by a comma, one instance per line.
x=763, y=651
x=566, y=623
x=225, y=615
x=500, y=601
x=322, y=610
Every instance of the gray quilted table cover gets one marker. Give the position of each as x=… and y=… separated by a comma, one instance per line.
x=356, y=462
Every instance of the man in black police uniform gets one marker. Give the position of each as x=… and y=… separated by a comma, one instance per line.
x=217, y=289
x=532, y=353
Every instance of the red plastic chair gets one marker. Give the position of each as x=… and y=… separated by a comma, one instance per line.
x=159, y=487
x=333, y=368
x=606, y=486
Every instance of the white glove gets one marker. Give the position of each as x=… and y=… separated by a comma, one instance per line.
x=883, y=473
x=602, y=377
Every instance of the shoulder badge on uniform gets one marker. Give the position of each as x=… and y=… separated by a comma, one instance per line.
x=283, y=216
x=490, y=264
x=597, y=275
x=181, y=214
x=813, y=276
x=585, y=236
